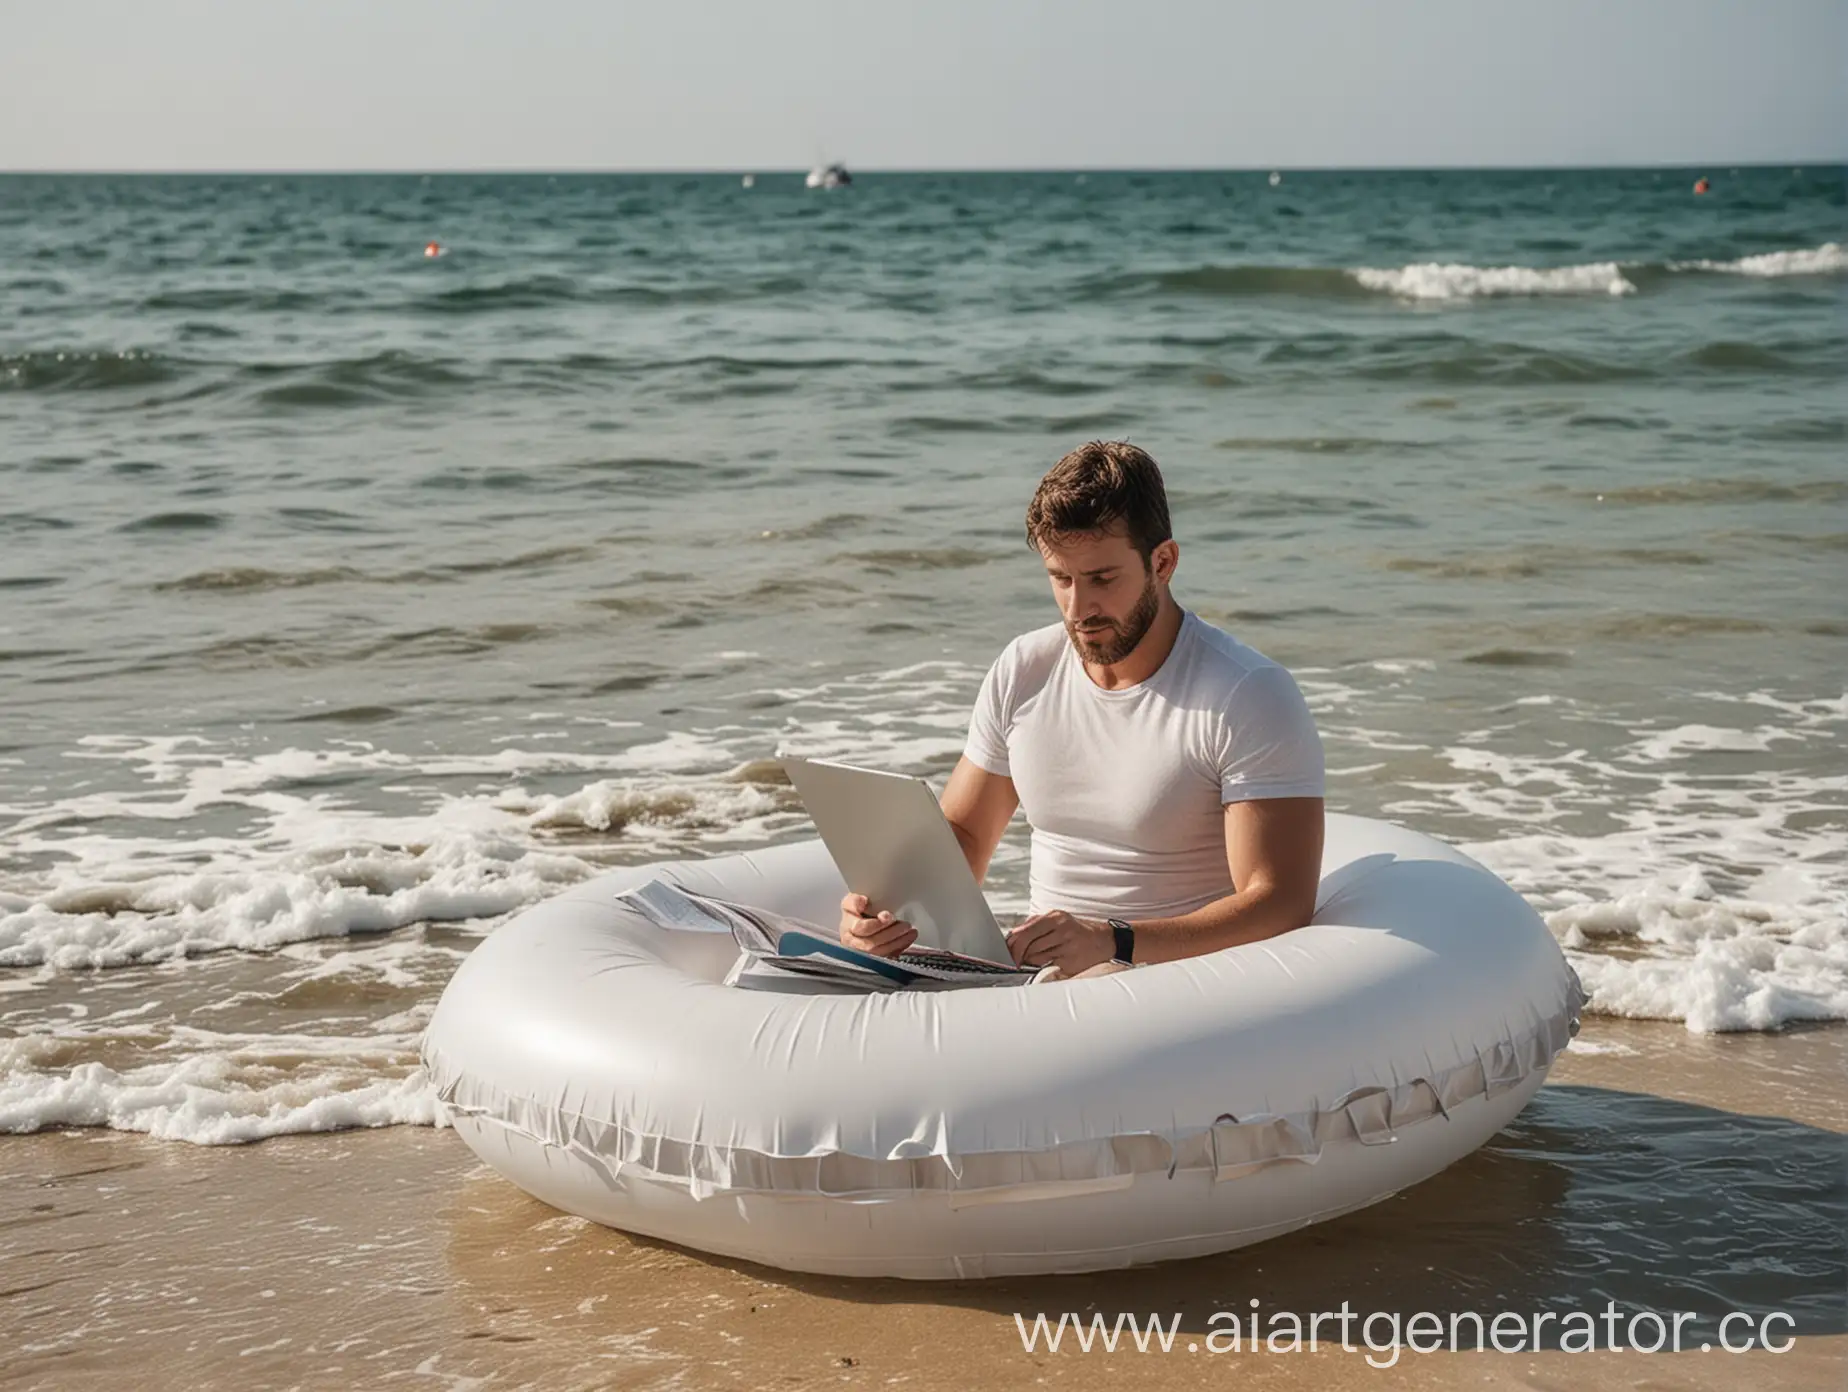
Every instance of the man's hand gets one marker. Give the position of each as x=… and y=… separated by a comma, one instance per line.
x=1058, y=939
x=880, y=933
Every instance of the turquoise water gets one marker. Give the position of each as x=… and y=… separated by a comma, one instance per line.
x=352, y=598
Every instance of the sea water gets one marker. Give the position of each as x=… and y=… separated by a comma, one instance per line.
x=381, y=554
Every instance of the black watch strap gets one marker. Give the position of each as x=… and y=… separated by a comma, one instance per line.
x=1125, y=939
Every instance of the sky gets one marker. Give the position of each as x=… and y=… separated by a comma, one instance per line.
x=741, y=85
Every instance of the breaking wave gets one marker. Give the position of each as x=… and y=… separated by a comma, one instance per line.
x=1440, y=281
x=1831, y=258
x=1432, y=281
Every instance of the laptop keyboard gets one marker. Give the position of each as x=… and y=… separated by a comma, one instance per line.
x=931, y=959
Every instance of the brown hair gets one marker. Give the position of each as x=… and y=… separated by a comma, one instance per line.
x=1096, y=486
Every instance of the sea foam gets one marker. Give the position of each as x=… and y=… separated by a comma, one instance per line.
x=1831, y=258
x=1706, y=895
x=315, y=872
x=1434, y=281
x=132, y=877
x=223, y=1096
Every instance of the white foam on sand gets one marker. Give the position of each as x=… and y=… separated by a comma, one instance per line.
x=1714, y=890
x=177, y=847
x=217, y=1089
x=148, y=911
x=1693, y=869
x=1581, y=1045
x=1434, y=281
x=129, y=879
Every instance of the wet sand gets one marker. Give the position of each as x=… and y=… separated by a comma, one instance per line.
x=1661, y=1170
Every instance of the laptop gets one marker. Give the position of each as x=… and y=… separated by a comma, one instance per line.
x=891, y=843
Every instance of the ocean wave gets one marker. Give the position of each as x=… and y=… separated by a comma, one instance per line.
x=548, y=291
x=1418, y=281
x=1716, y=491
x=28, y=522
x=1692, y=871
x=226, y=299
x=309, y=868
x=376, y=379
x=1703, y=899
x=889, y=559
x=1519, y=657
x=1441, y=281
x=1317, y=281
x=1324, y=444
x=1440, y=358
x=1831, y=258
x=614, y=806
x=1434, y=281
x=220, y=1090
x=532, y=292
x=398, y=375
x=180, y=521
x=1454, y=360
x=261, y=579
x=86, y=371
x=261, y=902
x=1527, y=562
x=1726, y=355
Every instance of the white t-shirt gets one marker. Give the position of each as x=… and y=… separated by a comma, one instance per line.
x=1124, y=789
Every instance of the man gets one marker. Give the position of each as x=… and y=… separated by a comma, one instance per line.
x=1171, y=775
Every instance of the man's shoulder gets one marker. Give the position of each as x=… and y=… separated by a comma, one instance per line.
x=1033, y=653
x=1254, y=696
x=1225, y=661
x=1024, y=667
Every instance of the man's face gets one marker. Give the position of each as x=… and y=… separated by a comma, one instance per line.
x=1107, y=596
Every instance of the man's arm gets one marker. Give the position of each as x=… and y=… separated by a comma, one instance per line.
x=1274, y=851
x=978, y=806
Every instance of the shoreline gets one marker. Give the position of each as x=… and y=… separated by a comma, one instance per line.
x=1658, y=1169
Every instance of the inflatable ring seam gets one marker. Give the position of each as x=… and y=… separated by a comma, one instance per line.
x=1229, y=1147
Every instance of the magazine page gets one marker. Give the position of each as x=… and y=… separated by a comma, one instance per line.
x=791, y=945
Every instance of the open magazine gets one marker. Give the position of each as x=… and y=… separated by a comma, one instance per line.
x=777, y=952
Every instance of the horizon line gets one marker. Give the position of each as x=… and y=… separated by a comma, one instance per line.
x=255, y=171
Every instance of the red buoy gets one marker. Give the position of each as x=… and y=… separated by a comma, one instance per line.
x=433, y=248
x=1701, y=185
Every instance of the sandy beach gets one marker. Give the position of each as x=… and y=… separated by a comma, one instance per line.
x=1657, y=1169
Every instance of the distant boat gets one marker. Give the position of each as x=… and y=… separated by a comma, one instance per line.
x=750, y=181
x=1275, y=178
x=829, y=176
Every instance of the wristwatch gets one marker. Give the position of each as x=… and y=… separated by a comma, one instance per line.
x=1125, y=939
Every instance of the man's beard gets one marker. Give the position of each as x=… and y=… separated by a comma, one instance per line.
x=1109, y=646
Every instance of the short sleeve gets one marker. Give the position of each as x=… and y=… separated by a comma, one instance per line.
x=988, y=722
x=1270, y=748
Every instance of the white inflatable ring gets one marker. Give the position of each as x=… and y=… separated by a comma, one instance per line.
x=1169, y=1111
